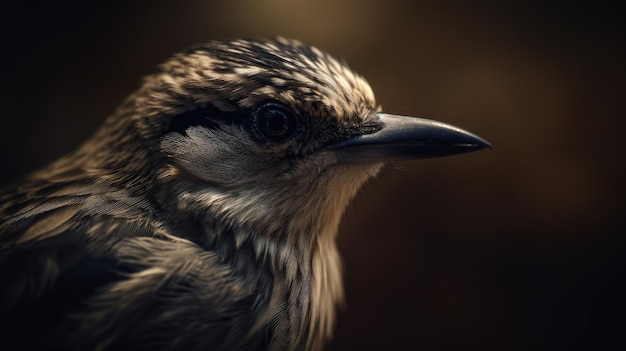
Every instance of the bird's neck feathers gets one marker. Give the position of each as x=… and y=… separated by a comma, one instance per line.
x=291, y=232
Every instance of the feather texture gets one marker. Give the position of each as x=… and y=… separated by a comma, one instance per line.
x=176, y=226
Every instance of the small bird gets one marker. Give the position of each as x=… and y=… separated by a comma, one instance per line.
x=203, y=214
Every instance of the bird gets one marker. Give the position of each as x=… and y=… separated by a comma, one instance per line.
x=203, y=213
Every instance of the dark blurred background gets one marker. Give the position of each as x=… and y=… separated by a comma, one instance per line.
x=517, y=248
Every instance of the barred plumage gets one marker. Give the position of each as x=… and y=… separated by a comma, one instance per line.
x=203, y=214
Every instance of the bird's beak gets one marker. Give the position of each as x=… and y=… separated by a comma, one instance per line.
x=408, y=138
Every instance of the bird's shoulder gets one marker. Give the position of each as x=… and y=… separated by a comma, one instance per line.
x=97, y=255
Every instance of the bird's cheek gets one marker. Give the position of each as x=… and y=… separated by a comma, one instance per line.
x=310, y=166
x=225, y=161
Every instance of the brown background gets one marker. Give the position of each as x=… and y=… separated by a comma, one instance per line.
x=517, y=248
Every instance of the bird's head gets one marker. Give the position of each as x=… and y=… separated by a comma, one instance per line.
x=252, y=149
x=267, y=132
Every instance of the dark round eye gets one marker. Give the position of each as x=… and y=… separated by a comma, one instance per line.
x=276, y=122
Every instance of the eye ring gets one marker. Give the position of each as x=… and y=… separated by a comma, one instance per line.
x=276, y=122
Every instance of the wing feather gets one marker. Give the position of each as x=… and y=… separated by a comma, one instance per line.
x=95, y=272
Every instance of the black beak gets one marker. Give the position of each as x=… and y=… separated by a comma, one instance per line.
x=408, y=138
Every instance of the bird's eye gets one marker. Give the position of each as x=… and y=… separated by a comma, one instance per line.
x=276, y=122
